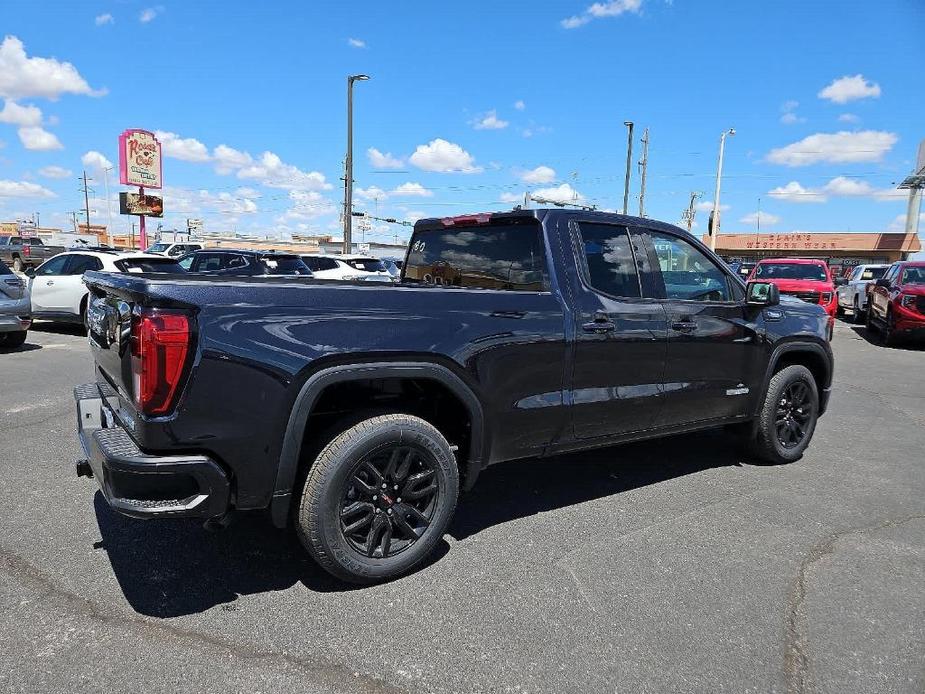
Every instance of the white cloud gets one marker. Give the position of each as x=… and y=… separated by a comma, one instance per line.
x=356, y=43
x=102, y=19
x=562, y=193
x=274, y=173
x=23, y=116
x=848, y=187
x=840, y=147
x=149, y=13
x=794, y=192
x=520, y=105
x=790, y=117
x=707, y=206
x=899, y=222
x=412, y=190
x=23, y=189
x=245, y=192
x=21, y=76
x=371, y=193
x=95, y=161
x=848, y=118
x=183, y=148
x=598, y=10
x=767, y=219
x=444, y=157
x=850, y=88
x=37, y=138
x=54, y=172
x=541, y=174
x=510, y=197
x=382, y=160
x=228, y=159
x=489, y=121
x=307, y=205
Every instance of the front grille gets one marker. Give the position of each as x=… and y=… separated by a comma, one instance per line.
x=811, y=297
x=920, y=304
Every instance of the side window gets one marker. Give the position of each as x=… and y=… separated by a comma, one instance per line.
x=236, y=261
x=688, y=273
x=79, y=264
x=207, y=262
x=609, y=261
x=509, y=257
x=891, y=273
x=55, y=266
x=176, y=250
x=187, y=262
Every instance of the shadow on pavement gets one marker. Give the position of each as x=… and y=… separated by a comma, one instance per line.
x=169, y=568
x=43, y=326
x=27, y=347
x=874, y=338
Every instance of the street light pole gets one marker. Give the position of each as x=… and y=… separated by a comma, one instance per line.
x=108, y=205
x=719, y=177
x=629, y=158
x=348, y=165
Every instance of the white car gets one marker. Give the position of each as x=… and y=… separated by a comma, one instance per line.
x=57, y=288
x=174, y=250
x=852, y=295
x=347, y=267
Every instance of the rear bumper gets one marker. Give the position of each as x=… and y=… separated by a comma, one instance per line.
x=139, y=484
x=15, y=323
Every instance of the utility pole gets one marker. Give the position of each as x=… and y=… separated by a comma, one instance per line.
x=719, y=177
x=643, y=164
x=688, y=214
x=86, y=191
x=108, y=205
x=629, y=159
x=348, y=165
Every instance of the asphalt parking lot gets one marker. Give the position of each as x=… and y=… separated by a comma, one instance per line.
x=656, y=567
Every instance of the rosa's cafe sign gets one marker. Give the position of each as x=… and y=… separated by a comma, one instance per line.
x=140, y=165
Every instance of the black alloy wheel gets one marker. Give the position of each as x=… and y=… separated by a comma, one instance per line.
x=794, y=413
x=389, y=500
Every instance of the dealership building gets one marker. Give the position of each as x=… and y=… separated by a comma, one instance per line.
x=839, y=250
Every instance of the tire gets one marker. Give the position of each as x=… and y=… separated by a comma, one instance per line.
x=856, y=318
x=767, y=444
x=839, y=311
x=17, y=265
x=13, y=339
x=869, y=319
x=890, y=338
x=341, y=479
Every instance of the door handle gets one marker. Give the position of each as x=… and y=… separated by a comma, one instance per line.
x=49, y=283
x=599, y=326
x=684, y=326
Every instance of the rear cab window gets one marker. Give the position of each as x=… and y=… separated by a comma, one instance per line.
x=503, y=254
x=165, y=265
x=284, y=265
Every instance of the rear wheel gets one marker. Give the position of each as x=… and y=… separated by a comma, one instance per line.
x=890, y=338
x=13, y=339
x=378, y=498
x=857, y=317
x=788, y=416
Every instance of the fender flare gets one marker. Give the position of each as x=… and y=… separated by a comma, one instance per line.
x=798, y=346
x=317, y=382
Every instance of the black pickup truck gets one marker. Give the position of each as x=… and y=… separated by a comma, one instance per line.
x=357, y=412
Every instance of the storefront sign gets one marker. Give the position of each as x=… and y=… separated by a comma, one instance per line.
x=796, y=242
x=146, y=205
x=139, y=159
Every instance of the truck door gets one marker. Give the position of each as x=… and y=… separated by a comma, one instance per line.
x=712, y=344
x=621, y=335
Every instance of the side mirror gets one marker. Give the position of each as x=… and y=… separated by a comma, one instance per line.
x=841, y=281
x=30, y=272
x=882, y=282
x=762, y=294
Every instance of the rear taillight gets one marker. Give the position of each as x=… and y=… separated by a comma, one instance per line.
x=26, y=250
x=161, y=342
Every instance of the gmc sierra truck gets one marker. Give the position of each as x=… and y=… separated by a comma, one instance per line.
x=21, y=252
x=357, y=412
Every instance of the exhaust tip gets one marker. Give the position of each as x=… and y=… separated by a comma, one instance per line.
x=84, y=469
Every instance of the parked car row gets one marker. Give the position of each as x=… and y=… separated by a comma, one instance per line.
x=890, y=299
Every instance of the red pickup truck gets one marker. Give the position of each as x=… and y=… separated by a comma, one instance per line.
x=806, y=279
x=897, y=302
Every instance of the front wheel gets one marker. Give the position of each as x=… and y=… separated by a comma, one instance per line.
x=378, y=498
x=788, y=416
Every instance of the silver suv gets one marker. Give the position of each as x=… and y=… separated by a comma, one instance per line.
x=15, y=308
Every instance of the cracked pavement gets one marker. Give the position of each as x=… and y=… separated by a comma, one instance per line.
x=653, y=567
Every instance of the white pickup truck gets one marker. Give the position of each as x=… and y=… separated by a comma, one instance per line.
x=852, y=294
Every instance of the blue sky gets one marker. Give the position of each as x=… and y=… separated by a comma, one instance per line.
x=469, y=105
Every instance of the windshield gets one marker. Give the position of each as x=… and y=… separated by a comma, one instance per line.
x=149, y=265
x=873, y=273
x=365, y=264
x=4, y=240
x=791, y=271
x=159, y=248
x=287, y=265
x=914, y=275
x=4, y=270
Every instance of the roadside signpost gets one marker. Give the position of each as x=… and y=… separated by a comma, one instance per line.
x=140, y=165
